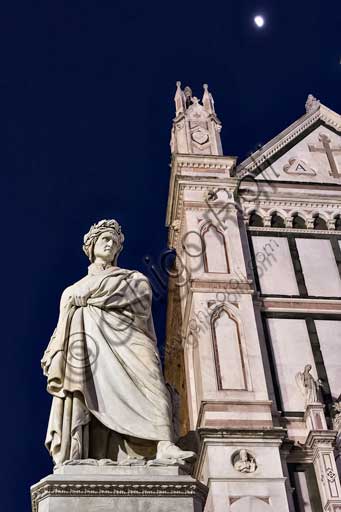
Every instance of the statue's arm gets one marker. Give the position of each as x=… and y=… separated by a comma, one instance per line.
x=140, y=294
x=66, y=303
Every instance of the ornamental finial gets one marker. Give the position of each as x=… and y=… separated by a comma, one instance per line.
x=311, y=104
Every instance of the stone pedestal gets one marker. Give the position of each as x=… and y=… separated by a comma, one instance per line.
x=255, y=488
x=94, y=488
x=314, y=417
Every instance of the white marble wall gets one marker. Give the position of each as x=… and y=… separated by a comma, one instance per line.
x=274, y=265
x=329, y=334
x=318, y=262
x=292, y=351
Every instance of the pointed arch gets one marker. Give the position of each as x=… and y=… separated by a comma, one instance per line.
x=298, y=221
x=214, y=250
x=319, y=221
x=255, y=220
x=277, y=221
x=279, y=212
x=228, y=350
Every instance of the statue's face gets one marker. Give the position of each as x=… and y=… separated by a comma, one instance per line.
x=243, y=455
x=105, y=247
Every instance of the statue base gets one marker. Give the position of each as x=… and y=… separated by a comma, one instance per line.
x=123, y=488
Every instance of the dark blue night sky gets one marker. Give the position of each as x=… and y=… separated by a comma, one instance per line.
x=86, y=93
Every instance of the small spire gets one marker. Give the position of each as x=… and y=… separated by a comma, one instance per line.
x=188, y=96
x=207, y=100
x=311, y=104
x=179, y=99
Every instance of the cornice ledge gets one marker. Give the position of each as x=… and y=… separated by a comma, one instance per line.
x=330, y=117
x=320, y=437
x=278, y=433
x=230, y=283
x=204, y=162
x=293, y=230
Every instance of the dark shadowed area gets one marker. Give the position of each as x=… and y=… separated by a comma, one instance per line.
x=86, y=107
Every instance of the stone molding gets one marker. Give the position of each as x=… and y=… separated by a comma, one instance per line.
x=291, y=206
x=117, y=488
x=276, y=434
x=198, y=180
x=253, y=406
x=293, y=230
x=319, y=438
x=204, y=162
x=230, y=284
x=300, y=305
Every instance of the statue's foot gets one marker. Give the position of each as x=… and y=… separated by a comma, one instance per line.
x=80, y=462
x=133, y=461
x=167, y=450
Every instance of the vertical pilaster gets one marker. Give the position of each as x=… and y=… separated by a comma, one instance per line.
x=322, y=445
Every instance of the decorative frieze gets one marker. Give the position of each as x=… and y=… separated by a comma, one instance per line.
x=75, y=487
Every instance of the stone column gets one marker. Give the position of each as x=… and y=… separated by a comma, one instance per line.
x=321, y=443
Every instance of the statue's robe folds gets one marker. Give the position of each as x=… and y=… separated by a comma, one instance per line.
x=103, y=368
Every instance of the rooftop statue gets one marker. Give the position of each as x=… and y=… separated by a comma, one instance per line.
x=102, y=365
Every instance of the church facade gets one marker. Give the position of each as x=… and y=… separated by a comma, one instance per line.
x=254, y=310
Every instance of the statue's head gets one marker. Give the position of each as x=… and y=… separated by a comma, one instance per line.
x=243, y=455
x=104, y=241
x=307, y=368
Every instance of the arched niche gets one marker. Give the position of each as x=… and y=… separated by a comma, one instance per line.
x=255, y=220
x=215, y=254
x=277, y=221
x=228, y=352
x=298, y=222
x=319, y=222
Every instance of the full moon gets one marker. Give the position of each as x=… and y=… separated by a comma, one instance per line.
x=259, y=21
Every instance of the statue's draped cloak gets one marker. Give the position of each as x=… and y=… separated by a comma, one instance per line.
x=103, y=360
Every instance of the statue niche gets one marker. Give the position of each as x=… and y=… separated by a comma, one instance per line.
x=214, y=250
x=227, y=350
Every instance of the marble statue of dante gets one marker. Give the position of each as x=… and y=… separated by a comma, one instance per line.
x=309, y=387
x=103, y=367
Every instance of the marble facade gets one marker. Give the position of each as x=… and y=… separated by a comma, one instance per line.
x=256, y=298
